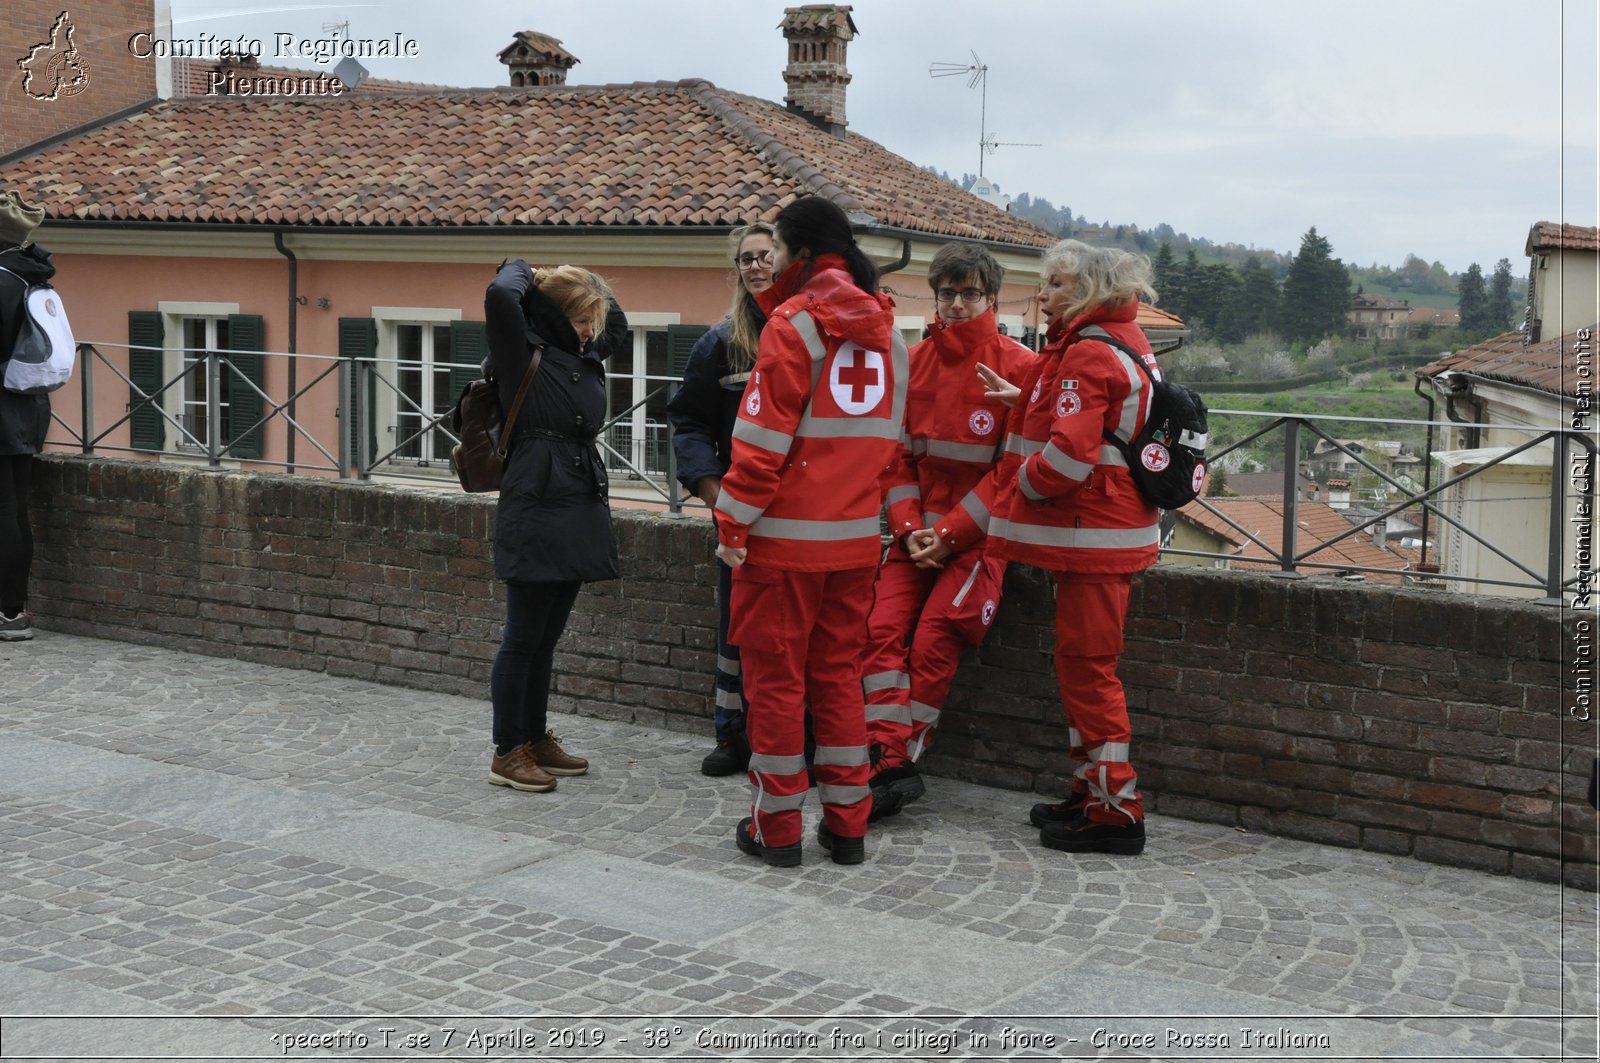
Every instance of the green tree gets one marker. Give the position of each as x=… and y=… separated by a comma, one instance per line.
x=1474, y=302
x=1256, y=305
x=1316, y=293
x=1502, y=311
x=1169, y=285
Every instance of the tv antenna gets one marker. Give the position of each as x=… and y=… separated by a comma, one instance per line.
x=978, y=78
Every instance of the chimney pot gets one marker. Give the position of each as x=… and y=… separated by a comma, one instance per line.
x=537, y=59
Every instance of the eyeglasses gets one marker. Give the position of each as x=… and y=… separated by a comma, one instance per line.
x=970, y=296
x=746, y=263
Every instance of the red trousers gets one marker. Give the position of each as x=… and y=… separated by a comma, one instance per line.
x=799, y=636
x=1090, y=613
x=921, y=620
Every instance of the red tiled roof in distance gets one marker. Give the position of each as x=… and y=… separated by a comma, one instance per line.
x=1546, y=365
x=667, y=154
x=1316, y=522
x=1559, y=236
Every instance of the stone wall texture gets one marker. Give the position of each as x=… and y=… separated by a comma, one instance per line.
x=1401, y=721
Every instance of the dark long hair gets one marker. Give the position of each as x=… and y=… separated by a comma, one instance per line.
x=816, y=225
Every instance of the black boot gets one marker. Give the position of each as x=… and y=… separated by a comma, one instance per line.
x=731, y=756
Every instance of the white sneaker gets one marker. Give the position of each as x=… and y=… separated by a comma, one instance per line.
x=16, y=628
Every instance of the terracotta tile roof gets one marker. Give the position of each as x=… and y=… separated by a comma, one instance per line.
x=1150, y=317
x=1546, y=365
x=1435, y=315
x=1367, y=301
x=653, y=154
x=1317, y=522
x=816, y=17
x=1552, y=236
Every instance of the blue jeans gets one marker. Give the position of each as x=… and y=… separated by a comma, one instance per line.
x=519, y=684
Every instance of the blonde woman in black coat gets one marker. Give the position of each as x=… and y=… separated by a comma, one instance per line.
x=553, y=528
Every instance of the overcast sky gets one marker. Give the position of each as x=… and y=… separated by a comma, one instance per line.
x=1442, y=128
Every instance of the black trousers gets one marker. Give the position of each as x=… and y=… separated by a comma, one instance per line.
x=519, y=683
x=16, y=534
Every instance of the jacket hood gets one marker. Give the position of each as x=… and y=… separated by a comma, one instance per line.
x=546, y=318
x=829, y=294
x=32, y=263
x=1127, y=310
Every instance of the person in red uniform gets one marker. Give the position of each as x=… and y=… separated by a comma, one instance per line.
x=924, y=614
x=797, y=520
x=1066, y=503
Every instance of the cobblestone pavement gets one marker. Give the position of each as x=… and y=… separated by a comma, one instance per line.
x=211, y=859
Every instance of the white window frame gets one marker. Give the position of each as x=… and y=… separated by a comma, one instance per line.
x=389, y=320
x=639, y=323
x=175, y=401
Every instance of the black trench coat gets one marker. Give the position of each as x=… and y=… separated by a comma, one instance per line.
x=553, y=521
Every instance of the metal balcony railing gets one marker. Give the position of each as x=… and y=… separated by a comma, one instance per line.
x=649, y=465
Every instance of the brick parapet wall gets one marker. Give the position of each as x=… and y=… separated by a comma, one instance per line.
x=1409, y=722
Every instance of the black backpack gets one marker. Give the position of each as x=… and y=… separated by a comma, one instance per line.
x=1168, y=456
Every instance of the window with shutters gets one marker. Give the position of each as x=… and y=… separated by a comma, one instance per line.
x=202, y=363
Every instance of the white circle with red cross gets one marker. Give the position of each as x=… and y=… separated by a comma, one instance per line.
x=981, y=422
x=987, y=616
x=1068, y=404
x=1155, y=457
x=1199, y=477
x=752, y=404
x=856, y=378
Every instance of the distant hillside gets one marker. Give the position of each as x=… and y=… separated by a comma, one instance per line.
x=1419, y=282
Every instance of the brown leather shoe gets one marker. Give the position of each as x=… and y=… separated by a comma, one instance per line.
x=555, y=760
x=518, y=770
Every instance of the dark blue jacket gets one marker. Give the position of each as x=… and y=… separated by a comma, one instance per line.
x=705, y=408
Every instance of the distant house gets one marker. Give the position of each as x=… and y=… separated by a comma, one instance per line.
x=1345, y=457
x=1377, y=317
x=1563, y=279
x=1504, y=394
x=1224, y=545
x=364, y=227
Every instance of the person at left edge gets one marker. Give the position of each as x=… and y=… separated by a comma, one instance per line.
x=552, y=522
x=24, y=419
x=797, y=520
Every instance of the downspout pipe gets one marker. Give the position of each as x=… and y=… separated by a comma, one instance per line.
x=294, y=326
x=1427, y=466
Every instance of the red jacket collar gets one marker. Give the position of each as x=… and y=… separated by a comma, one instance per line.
x=956, y=339
x=1127, y=310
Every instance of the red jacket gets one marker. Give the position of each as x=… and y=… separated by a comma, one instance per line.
x=819, y=425
x=1065, y=499
x=953, y=434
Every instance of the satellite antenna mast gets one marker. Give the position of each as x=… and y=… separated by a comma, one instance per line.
x=979, y=79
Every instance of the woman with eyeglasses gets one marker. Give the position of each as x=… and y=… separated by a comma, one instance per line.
x=703, y=413
x=925, y=612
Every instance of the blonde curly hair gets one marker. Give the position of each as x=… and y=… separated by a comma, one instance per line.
x=1104, y=276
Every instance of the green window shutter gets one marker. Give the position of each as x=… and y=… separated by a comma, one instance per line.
x=469, y=345
x=245, y=405
x=145, y=358
x=680, y=341
x=358, y=338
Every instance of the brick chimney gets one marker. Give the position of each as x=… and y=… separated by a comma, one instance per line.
x=537, y=59
x=816, y=75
